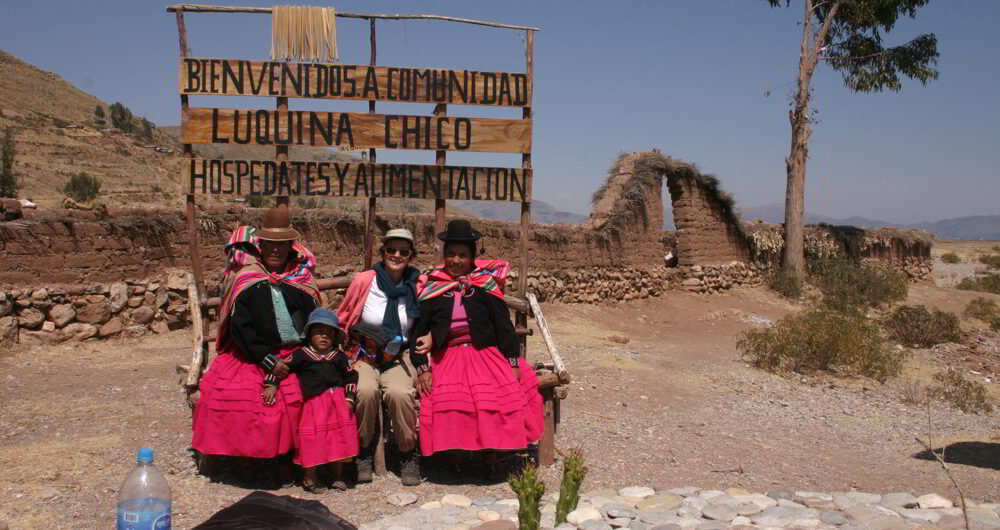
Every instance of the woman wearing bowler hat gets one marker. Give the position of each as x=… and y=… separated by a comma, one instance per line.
x=268, y=293
x=477, y=393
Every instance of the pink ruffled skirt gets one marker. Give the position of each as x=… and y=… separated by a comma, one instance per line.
x=327, y=430
x=475, y=403
x=231, y=418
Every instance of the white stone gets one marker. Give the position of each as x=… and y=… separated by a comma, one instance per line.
x=433, y=505
x=456, y=500
x=620, y=522
x=684, y=491
x=579, y=515
x=921, y=514
x=401, y=499
x=740, y=521
x=933, y=500
x=708, y=494
x=488, y=515
x=509, y=502
x=636, y=491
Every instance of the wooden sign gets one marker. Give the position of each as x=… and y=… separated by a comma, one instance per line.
x=232, y=77
x=346, y=129
x=355, y=179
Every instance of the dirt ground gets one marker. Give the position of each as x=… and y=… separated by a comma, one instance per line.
x=659, y=397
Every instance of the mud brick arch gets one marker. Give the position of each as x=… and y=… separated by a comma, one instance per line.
x=630, y=205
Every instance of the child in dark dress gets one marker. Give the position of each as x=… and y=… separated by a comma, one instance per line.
x=328, y=433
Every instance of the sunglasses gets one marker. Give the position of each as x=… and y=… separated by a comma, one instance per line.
x=402, y=252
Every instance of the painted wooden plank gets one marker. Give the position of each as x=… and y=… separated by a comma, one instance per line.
x=337, y=129
x=355, y=179
x=236, y=77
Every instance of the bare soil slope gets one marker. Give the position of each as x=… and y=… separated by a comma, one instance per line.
x=659, y=396
x=56, y=136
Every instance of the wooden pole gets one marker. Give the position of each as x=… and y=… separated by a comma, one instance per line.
x=440, y=206
x=281, y=152
x=370, y=217
x=198, y=357
x=381, y=430
x=557, y=363
x=196, y=8
x=521, y=319
x=192, y=226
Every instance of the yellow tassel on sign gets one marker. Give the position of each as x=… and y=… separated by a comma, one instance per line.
x=304, y=32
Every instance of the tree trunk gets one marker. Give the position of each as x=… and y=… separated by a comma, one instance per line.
x=793, y=259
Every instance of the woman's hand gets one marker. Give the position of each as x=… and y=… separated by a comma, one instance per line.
x=424, y=382
x=280, y=369
x=269, y=395
x=424, y=344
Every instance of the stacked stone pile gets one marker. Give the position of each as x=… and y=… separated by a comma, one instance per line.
x=709, y=279
x=49, y=315
x=916, y=269
x=643, y=508
x=599, y=284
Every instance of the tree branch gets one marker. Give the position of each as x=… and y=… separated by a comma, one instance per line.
x=824, y=29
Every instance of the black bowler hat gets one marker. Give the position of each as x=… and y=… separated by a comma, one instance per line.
x=459, y=230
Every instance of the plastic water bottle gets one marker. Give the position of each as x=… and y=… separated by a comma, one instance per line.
x=144, y=499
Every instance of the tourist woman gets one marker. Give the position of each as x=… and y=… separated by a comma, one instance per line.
x=385, y=298
x=477, y=393
x=268, y=293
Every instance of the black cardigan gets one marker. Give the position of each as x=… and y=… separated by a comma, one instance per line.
x=315, y=376
x=252, y=326
x=489, y=324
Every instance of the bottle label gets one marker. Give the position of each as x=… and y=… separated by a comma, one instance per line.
x=144, y=514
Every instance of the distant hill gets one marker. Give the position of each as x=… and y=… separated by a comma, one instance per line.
x=541, y=212
x=56, y=136
x=972, y=228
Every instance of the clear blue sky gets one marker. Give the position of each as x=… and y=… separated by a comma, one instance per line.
x=686, y=77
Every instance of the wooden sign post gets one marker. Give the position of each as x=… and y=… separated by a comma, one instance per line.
x=282, y=128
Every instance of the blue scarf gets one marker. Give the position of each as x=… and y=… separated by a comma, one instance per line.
x=405, y=292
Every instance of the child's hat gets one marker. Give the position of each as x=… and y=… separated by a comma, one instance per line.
x=325, y=316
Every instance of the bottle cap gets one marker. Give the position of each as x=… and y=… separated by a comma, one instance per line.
x=144, y=455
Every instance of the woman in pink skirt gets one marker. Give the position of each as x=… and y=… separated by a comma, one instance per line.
x=328, y=433
x=268, y=292
x=477, y=392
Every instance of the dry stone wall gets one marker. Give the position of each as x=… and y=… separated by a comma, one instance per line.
x=69, y=275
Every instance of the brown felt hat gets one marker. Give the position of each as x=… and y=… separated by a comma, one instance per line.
x=277, y=225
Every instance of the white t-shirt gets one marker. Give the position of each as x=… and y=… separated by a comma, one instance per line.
x=374, y=310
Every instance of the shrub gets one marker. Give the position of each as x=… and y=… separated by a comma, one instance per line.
x=82, y=187
x=99, y=115
x=847, y=285
x=8, y=151
x=785, y=284
x=258, y=201
x=821, y=340
x=992, y=260
x=950, y=257
x=982, y=309
x=989, y=283
x=916, y=327
x=959, y=392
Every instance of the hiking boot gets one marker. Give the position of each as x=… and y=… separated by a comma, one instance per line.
x=366, y=462
x=409, y=468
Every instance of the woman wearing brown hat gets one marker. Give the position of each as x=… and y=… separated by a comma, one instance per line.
x=477, y=393
x=268, y=293
x=384, y=299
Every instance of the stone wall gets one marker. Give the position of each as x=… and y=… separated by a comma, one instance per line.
x=57, y=313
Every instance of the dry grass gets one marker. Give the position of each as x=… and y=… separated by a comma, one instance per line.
x=846, y=343
x=848, y=286
x=959, y=392
x=950, y=257
x=918, y=327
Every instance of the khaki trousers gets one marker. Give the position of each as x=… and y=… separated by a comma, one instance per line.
x=395, y=385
